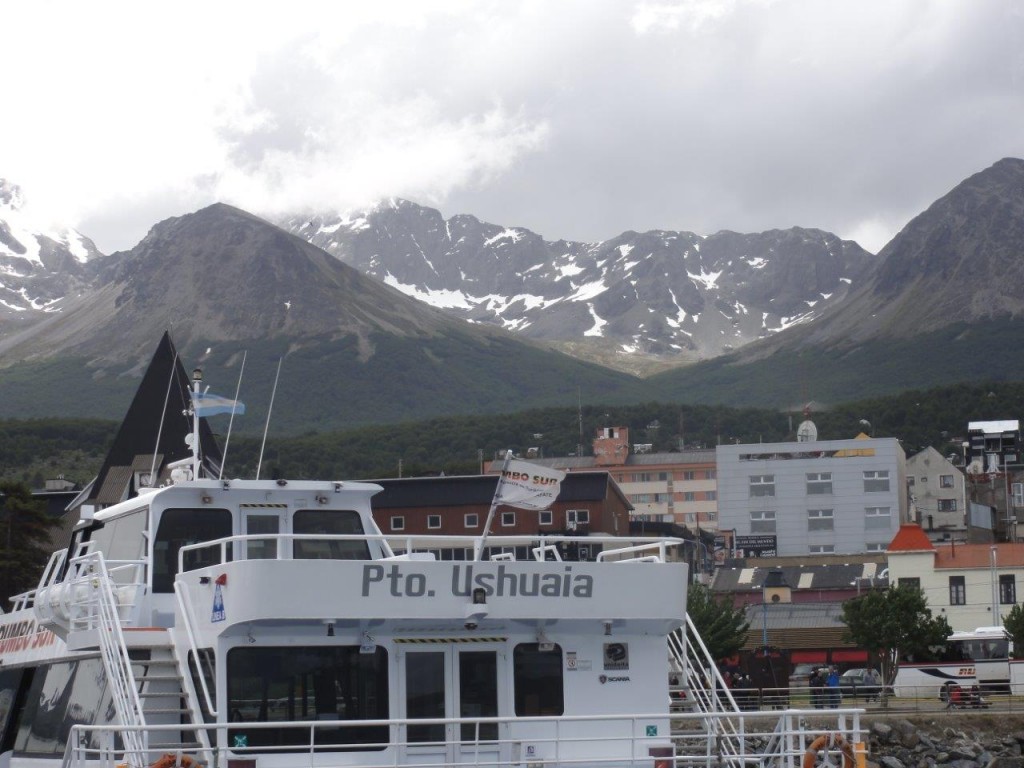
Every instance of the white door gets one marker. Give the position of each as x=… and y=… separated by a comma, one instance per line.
x=447, y=681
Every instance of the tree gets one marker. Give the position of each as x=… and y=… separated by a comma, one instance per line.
x=893, y=623
x=25, y=531
x=722, y=627
x=1013, y=623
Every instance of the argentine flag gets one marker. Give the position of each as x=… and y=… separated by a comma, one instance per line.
x=208, y=404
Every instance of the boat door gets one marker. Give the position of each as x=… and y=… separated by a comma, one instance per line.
x=450, y=681
x=262, y=522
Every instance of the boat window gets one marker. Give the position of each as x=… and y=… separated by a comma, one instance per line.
x=61, y=696
x=310, y=683
x=10, y=682
x=179, y=527
x=328, y=522
x=120, y=538
x=537, y=678
x=424, y=695
x=478, y=693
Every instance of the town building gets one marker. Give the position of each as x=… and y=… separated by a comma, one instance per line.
x=678, y=487
x=972, y=585
x=816, y=497
x=589, y=504
x=995, y=474
x=938, y=495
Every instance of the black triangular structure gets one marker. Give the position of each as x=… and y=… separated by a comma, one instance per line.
x=132, y=451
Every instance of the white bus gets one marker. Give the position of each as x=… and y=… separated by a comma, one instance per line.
x=980, y=657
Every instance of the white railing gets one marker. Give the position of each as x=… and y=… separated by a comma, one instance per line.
x=612, y=740
x=188, y=621
x=117, y=665
x=613, y=549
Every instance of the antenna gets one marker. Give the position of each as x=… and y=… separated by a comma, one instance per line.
x=231, y=421
x=579, y=413
x=266, y=427
x=163, y=415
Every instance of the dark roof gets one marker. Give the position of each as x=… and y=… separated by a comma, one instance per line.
x=158, y=409
x=465, y=490
x=796, y=625
x=831, y=576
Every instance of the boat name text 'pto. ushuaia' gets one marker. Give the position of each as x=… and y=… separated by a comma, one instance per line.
x=502, y=583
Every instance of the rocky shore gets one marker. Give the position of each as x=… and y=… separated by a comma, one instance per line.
x=968, y=741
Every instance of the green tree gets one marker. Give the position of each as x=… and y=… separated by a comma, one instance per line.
x=1013, y=623
x=722, y=627
x=892, y=624
x=25, y=531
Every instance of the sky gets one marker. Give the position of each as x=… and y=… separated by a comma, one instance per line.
x=577, y=119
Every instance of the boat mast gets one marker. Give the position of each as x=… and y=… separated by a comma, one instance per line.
x=197, y=382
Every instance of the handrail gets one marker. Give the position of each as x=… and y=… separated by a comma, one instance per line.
x=426, y=541
x=186, y=610
x=560, y=741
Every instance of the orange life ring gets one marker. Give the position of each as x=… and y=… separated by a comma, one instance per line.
x=829, y=741
x=175, y=761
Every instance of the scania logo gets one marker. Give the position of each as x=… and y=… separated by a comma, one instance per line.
x=606, y=679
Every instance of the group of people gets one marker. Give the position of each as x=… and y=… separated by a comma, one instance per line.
x=825, y=693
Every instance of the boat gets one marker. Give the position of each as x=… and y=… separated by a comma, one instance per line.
x=253, y=623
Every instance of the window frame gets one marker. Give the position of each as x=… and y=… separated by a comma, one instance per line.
x=957, y=590
x=397, y=522
x=763, y=521
x=825, y=516
x=433, y=522
x=761, y=486
x=508, y=519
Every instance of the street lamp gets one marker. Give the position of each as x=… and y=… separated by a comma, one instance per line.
x=866, y=423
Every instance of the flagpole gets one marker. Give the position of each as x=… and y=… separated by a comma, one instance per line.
x=479, y=548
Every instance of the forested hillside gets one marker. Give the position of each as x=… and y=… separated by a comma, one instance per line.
x=36, y=450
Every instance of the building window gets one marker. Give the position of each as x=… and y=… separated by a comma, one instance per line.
x=641, y=477
x=546, y=518
x=876, y=518
x=822, y=549
x=762, y=522
x=880, y=546
x=947, y=505
x=820, y=520
x=397, y=523
x=876, y=480
x=910, y=582
x=957, y=590
x=762, y=485
x=433, y=521
x=574, y=517
x=508, y=519
x=710, y=495
x=689, y=474
x=1007, y=589
x=471, y=520
x=945, y=481
x=689, y=496
x=819, y=482
x=640, y=498
x=710, y=474
x=663, y=476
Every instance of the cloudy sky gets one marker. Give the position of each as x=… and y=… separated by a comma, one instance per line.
x=578, y=119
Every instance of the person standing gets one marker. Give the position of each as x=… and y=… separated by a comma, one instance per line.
x=832, y=683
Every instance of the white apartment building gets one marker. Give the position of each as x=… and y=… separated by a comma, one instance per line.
x=938, y=498
x=972, y=585
x=812, y=497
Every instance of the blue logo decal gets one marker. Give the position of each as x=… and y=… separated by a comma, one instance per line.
x=218, y=605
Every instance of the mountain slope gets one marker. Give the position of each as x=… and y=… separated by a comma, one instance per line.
x=224, y=281
x=673, y=296
x=944, y=306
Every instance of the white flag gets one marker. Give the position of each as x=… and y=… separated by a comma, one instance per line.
x=528, y=486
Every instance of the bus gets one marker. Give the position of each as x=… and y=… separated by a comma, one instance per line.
x=980, y=658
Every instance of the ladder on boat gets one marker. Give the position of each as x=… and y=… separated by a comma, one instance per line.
x=147, y=682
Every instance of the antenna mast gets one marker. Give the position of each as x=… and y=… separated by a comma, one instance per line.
x=266, y=428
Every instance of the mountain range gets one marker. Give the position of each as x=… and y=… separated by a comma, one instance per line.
x=774, y=318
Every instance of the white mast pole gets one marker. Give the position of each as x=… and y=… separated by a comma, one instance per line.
x=197, y=382
x=479, y=548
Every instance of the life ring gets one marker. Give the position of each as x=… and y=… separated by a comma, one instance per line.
x=829, y=741
x=176, y=761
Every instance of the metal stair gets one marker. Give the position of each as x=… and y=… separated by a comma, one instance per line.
x=166, y=699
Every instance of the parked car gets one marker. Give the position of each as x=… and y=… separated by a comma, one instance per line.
x=862, y=683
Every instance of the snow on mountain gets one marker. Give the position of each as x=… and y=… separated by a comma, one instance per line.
x=39, y=268
x=660, y=294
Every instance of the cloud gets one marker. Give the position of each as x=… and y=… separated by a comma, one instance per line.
x=575, y=119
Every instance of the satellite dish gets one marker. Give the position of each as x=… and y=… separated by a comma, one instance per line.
x=807, y=432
